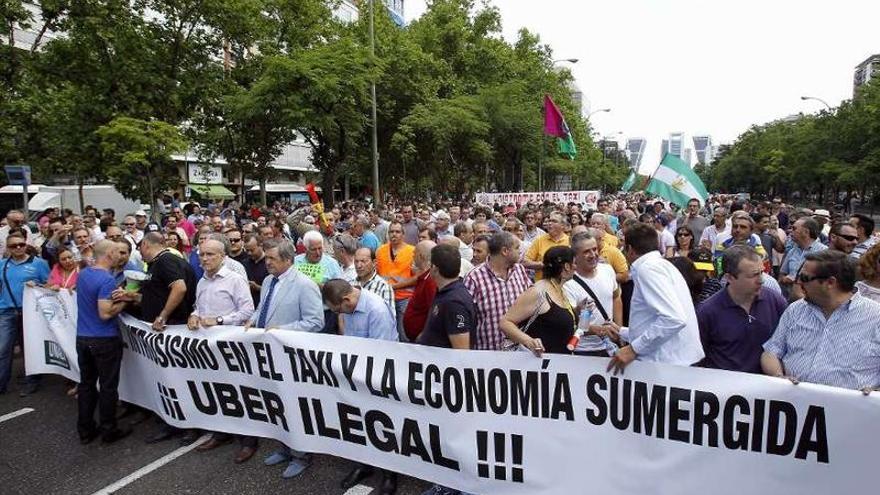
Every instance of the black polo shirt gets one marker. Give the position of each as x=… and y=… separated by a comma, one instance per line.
x=452, y=313
x=257, y=271
x=165, y=269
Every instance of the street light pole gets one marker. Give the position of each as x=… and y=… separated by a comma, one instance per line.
x=820, y=100
x=374, y=140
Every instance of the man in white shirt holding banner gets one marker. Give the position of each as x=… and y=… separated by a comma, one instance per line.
x=663, y=324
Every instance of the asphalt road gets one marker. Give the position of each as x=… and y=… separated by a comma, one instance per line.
x=40, y=453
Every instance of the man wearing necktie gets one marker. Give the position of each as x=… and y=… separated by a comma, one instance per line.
x=288, y=301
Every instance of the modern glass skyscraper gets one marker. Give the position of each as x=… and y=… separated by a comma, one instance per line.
x=704, y=149
x=635, y=148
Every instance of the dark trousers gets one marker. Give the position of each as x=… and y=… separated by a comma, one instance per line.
x=99, y=361
x=243, y=441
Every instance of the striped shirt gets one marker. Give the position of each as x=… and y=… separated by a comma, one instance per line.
x=493, y=296
x=377, y=285
x=841, y=351
x=863, y=247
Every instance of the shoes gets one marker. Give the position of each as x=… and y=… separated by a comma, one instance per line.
x=389, y=483
x=29, y=389
x=166, y=433
x=213, y=443
x=189, y=437
x=85, y=439
x=358, y=474
x=295, y=468
x=115, y=435
x=244, y=455
x=277, y=457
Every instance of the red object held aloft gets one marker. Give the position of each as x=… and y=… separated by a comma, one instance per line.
x=313, y=195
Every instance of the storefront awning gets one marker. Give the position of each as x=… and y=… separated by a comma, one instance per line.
x=212, y=191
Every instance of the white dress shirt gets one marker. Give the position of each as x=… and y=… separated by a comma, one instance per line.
x=663, y=324
x=226, y=294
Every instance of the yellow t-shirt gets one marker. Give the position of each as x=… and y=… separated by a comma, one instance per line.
x=615, y=258
x=540, y=246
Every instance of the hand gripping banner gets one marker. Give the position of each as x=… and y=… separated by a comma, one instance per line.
x=491, y=422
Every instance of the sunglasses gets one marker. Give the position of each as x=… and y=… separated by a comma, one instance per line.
x=234, y=240
x=129, y=224
x=684, y=234
x=16, y=245
x=806, y=278
x=850, y=238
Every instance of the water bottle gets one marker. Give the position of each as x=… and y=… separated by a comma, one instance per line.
x=583, y=326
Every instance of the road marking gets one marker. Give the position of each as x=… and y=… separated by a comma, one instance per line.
x=15, y=414
x=149, y=468
x=358, y=490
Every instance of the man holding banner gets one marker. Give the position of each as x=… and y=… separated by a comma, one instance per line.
x=98, y=347
x=222, y=298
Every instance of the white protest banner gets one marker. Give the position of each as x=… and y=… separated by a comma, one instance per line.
x=586, y=198
x=49, y=319
x=507, y=423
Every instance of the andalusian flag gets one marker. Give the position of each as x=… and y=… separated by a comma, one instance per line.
x=676, y=182
x=554, y=125
x=629, y=182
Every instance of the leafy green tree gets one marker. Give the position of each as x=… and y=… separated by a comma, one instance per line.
x=137, y=157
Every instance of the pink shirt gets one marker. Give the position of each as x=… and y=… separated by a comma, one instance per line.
x=57, y=278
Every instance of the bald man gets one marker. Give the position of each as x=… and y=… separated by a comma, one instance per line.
x=416, y=313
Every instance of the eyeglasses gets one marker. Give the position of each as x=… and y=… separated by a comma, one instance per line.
x=850, y=238
x=16, y=245
x=806, y=278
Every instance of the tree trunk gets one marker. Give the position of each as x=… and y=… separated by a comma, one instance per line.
x=263, y=191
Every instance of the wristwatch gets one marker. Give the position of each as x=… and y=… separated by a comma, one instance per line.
x=219, y=320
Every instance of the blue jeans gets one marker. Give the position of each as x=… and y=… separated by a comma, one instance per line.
x=400, y=306
x=10, y=323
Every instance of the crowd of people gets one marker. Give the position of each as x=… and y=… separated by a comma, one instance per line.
x=728, y=283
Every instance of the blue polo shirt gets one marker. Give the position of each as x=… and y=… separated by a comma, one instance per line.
x=733, y=339
x=93, y=285
x=13, y=275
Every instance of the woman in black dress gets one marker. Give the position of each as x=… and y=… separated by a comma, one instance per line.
x=541, y=319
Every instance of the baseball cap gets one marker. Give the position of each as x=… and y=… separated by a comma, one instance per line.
x=702, y=259
x=152, y=227
x=140, y=213
x=822, y=213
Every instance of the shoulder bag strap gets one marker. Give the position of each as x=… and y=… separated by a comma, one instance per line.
x=593, y=295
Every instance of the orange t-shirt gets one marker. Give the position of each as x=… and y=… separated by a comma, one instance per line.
x=400, y=267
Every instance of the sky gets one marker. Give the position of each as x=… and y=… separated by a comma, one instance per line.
x=698, y=66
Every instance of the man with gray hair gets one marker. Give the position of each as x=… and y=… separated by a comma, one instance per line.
x=344, y=247
x=595, y=283
x=416, y=312
x=360, y=230
x=495, y=285
x=228, y=262
x=289, y=300
x=222, y=298
x=314, y=263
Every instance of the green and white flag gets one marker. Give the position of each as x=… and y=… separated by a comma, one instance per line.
x=676, y=182
x=629, y=182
